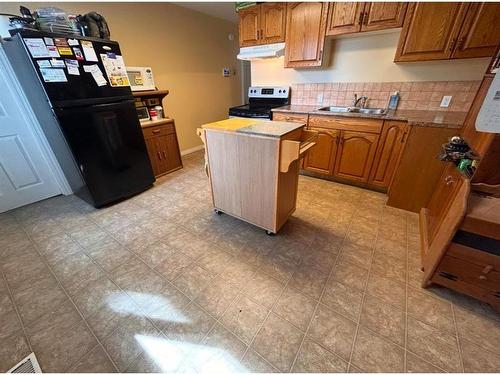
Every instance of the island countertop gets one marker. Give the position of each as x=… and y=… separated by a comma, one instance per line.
x=275, y=129
x=445, y=119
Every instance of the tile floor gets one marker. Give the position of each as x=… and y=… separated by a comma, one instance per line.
x=162, y=283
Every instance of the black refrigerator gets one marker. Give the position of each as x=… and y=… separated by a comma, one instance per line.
x=94, y=107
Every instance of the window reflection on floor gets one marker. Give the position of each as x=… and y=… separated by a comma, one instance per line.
x=157, y=307
x=170, y=355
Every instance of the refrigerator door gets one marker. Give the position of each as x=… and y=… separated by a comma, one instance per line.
x=81, y=88
x=107, y=143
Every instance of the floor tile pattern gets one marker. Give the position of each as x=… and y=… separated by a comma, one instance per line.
x=160, y=283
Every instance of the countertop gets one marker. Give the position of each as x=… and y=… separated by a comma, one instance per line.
x=275, y=129
x=414, y=117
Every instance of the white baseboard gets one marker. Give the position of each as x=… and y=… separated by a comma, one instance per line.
x=192, y=149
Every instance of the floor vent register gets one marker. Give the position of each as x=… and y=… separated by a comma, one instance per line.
x=28, y=365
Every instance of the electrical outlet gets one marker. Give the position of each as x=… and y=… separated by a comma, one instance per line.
x=445, y=102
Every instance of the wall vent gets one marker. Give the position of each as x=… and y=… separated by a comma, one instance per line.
x=28, y=365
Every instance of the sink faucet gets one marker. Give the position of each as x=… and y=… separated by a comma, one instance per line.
x=356, y=100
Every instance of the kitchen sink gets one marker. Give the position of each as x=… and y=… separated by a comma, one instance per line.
x=369, y=111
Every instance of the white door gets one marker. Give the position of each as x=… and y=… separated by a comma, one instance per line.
x=25, y=174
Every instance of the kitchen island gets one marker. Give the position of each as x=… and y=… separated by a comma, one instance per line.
x=254, y=168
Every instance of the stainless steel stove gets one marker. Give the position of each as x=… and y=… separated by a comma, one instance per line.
x=261, y=100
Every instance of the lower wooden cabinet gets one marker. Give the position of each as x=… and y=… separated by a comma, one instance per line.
x=362, y=150
x=389, y=150
x=321, y=158
x=162, y=146
x=355, y=155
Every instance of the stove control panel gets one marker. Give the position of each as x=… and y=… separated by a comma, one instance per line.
x=268, y=92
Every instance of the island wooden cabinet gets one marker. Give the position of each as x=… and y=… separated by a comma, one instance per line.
x=389, y=150
x=262, y=24
x=440, y=31
x=353, y=17
x=355, y=155
x=305, y=34
x=321, y=159
x=162, y=146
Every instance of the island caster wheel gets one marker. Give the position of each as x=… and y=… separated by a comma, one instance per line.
x=217, y=211
x=269, y=233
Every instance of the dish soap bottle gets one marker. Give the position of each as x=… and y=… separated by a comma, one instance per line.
x=393, y=101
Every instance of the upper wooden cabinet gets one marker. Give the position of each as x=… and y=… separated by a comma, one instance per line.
x=438, y=31
x=344, y=18
x=353, y=17
x=249, y=26
x=305, y=34
x=272, y=22
x=262, y=24
x=383, y=15
x=480, y=32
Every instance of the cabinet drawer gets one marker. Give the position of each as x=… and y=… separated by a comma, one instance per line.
x=460, y=270
x=291, y=117
x=154, y=131
x=347, y=123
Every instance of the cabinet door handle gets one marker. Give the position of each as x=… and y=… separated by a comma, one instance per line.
x=261, y=34
x=460, y=43
x=159, y=155
x=156, y=131
x=452, y=44
x=165, y=156
x=257, y=32
x=360, y=22
x=403, y=138
x=365, y=18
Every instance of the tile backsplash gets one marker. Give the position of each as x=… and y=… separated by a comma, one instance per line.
x=425, y=95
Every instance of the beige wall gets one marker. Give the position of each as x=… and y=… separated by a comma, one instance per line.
x=367, y=58
x=187, y=51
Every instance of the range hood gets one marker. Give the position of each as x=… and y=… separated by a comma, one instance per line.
x=262, y=52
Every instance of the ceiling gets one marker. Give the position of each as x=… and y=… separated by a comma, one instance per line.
x=224, y=10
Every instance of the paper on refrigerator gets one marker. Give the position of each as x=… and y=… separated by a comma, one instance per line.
x=115, y=69
x=488, y=118
x=88, y=51
x=51, y=75
x=37, y=47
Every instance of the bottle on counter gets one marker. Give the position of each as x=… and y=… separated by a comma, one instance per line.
x=159, y=111
x=394, y=101
x=153, y=114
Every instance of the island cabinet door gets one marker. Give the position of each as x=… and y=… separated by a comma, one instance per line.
x=390, y=147
x=321, y=158
x=355, y=155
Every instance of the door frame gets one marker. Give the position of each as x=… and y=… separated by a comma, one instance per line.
x=34, y=125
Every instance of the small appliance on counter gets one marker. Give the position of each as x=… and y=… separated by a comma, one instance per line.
x=261, y=100
x=141, y=78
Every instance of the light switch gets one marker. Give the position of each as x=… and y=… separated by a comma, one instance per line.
x=226, y=72
x=445, y=102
